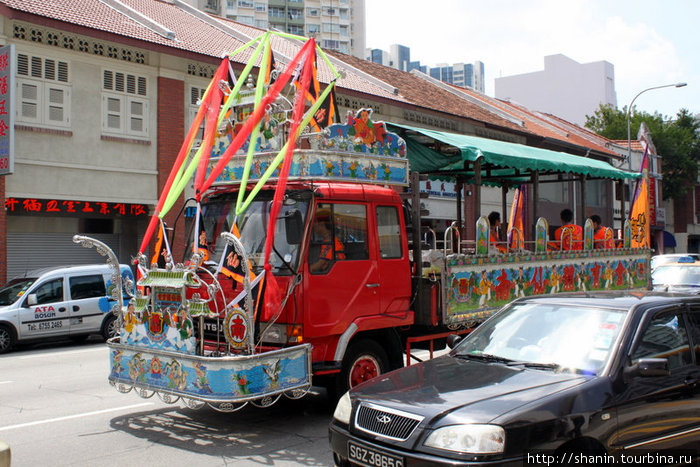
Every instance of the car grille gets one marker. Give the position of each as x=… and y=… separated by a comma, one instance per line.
x=389, y=423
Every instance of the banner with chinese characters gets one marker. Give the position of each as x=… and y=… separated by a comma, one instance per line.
x=23, y=206
x=7, y=110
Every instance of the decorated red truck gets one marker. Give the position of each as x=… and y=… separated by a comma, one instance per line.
x=306, y=263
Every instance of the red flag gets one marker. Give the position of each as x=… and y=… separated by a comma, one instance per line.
x=327, y=113
x=255, y=117
x=273, y=294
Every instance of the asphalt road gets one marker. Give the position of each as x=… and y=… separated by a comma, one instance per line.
x=57, y=409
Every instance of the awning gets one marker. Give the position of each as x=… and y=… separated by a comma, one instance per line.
x=502, y=163
x=669, y=240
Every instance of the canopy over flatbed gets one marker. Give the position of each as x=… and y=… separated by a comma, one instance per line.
x=490, y=162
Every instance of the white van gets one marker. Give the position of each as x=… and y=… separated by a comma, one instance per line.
x=73, y=301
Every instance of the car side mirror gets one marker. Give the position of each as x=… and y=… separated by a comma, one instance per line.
x=453, y=340
x=31, y=299
x=648, y=367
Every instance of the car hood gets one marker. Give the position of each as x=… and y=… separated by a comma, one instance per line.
x=474, y=391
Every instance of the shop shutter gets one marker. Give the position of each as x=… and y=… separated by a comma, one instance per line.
x=28, y=251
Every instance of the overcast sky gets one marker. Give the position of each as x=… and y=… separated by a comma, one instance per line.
x=650, y=43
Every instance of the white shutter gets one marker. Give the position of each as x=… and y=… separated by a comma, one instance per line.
x=138, y=116
x=30, y=98
x=112, y=113
x=57, y=105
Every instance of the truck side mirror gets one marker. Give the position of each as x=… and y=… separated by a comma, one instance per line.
x=648, y=367
x=31, y=299
x=293, y=226
x=453, y=340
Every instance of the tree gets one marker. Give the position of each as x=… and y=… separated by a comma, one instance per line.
x=677, y=142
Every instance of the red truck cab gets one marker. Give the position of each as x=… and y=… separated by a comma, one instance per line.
x=341, y=261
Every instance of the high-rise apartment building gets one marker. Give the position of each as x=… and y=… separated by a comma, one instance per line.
x=460, y=74
x=565, y=88
x=335, y=24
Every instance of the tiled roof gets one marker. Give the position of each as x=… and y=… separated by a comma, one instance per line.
x=418, y=92
x=173, y=24
x=193, y=31
x=549, y=126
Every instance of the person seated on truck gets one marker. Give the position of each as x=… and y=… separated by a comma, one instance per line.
x=569, y=236
x=494, y=237
x=329, y=247
x=602, y=236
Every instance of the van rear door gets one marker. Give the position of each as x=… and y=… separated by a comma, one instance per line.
x=88, y=302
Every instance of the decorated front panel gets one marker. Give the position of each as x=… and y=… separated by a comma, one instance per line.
x=476, y=286
x=211, y=378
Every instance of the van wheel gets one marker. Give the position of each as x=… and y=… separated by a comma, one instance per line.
x=363, y=360
x=110, y=327
x=7, y=339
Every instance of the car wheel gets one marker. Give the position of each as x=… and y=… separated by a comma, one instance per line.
x=110, y=327
x=7, y=339
x=363, y=360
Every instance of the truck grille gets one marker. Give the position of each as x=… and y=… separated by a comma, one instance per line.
x=389, y=423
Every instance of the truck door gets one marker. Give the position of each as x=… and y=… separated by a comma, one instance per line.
x=342, y=277
x=48, y=315
x=87, y=292
x=394, y=269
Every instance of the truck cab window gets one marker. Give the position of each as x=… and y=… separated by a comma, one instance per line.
x=389, y=232
x=339, y=232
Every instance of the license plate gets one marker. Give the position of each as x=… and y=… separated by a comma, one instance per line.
x=371, y=457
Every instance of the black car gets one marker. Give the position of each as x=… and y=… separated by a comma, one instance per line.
x=596, y=375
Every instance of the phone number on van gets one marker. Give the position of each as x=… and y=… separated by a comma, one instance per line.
x=45, y=325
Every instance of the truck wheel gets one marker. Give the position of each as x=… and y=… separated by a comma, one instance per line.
x=363, y=360
x=109, y=327
x=7, y=339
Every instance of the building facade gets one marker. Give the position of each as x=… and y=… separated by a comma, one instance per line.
x=460, y=74
x=335, y=24
x=565, y=88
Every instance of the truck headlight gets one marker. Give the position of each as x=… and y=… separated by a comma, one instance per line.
x=473, y=439
x=343, y=409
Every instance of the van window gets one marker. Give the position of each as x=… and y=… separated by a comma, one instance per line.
x=49, y=292
x=87, y=286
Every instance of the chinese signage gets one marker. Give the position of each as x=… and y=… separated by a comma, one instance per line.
x=56, y=206
x=439, y=188
x=7, y=113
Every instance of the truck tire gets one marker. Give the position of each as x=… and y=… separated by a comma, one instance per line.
x=7, y=338
x=109, y=327
x=363, y=360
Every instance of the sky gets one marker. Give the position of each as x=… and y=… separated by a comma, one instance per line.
x=650, y=43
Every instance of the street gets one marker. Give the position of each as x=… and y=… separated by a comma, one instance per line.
x=57, y=408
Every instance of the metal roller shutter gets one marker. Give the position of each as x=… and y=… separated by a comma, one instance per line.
x=28, y=251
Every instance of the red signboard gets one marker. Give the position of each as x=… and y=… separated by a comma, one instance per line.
x=64, y=206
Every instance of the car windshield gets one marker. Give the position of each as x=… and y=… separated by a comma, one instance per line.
x=14, y=289
x=570, y=338
x=218, y=217
x=676, y=274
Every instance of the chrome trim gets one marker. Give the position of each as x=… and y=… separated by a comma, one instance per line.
x=661, y=438
x=343, y=341
x=417, y=418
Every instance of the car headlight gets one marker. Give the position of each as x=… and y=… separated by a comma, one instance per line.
x=473, y=439
x=343, y=409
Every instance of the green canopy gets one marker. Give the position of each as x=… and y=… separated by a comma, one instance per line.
x=501, y=163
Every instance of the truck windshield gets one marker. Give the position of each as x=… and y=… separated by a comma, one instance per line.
x=218, y=216
x=14, y=289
